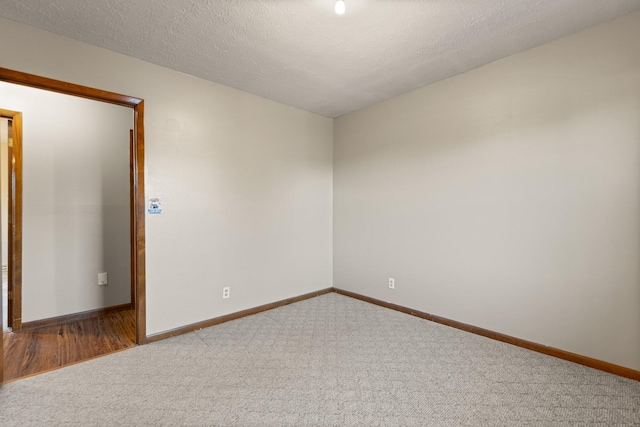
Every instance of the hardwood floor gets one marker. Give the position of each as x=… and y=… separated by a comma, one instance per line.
x=50, y=347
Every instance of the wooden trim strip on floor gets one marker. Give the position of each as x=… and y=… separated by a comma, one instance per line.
x=555, y=352
x=233, y=316
x=74, y=317
x=55, y=368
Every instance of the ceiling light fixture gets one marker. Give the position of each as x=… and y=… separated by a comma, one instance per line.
x=340, y=7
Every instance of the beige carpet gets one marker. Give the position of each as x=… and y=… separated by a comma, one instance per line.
x=327, y=361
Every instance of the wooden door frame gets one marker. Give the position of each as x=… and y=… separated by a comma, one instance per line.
x=137, y=179
x=14, y=229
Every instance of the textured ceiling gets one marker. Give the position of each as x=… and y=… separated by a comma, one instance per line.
x=299, y=52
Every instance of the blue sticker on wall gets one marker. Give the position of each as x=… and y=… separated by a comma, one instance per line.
x=155, y=206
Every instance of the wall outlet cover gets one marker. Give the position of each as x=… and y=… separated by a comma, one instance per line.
x=102, y=279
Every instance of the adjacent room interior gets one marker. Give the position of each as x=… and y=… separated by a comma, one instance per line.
x=500, y=196
x=74, y=228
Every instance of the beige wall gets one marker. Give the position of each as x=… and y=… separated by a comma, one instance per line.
x=507, y=198
x=75, y=201
x=246, y=183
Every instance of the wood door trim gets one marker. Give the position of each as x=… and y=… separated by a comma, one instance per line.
x=138, y=261
x=132, y=214
x=24, y=79
x=137, y=104
x=14, y=272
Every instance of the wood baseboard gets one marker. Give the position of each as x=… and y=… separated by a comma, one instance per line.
x=551, y=351
x=74, y=317
x=233, y=316
x=540, y=348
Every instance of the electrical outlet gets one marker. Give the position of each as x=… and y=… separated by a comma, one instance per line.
x=102, y=279
x=392, y=283
x=226, y=292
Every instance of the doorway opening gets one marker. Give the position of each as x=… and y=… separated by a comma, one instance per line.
x=11, y=312
x=10, y=216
